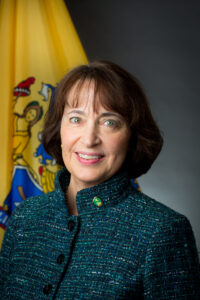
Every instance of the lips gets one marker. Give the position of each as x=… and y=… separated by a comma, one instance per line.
x=89, y=158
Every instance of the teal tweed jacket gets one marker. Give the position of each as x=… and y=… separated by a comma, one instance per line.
x=122, y=245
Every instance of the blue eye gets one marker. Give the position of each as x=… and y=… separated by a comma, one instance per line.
x=75, y=120
x=110, y=123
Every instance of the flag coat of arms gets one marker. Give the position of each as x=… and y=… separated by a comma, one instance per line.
x=39, y=45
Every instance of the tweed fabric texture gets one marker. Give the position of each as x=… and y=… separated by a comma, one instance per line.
x=131, y=247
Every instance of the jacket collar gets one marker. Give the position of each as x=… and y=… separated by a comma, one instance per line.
x=96, y=198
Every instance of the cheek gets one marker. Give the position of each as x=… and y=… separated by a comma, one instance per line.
x=64, y=135
x=68, y=137
x=118, y=145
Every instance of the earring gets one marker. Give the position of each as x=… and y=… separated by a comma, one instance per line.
x=61, y=145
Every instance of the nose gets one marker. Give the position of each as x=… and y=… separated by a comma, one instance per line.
x=90, y=136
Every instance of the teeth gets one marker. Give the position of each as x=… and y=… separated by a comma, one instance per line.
x=88, y=156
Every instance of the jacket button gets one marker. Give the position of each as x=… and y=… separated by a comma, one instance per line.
x=60, y=259
x=71, y=225
x=97, y=201
x=47, y=289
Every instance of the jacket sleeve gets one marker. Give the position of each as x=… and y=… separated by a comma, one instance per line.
x=171, y=269
x=5, y=255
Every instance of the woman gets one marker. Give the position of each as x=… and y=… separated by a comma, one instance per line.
x=95, y=236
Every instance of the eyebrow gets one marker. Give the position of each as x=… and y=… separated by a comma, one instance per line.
x=110, y=114
x=105, y=114
x=76, y=111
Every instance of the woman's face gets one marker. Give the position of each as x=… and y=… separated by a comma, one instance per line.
x=94, y=144
x=31, y=115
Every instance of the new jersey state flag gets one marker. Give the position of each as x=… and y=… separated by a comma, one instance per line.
x=38, y=45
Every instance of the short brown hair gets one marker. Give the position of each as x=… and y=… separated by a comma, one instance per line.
x=120, y=92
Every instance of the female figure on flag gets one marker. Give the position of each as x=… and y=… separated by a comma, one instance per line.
x=95, y=236
x=22, y=128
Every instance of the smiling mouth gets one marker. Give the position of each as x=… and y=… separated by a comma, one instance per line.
x=89, y=157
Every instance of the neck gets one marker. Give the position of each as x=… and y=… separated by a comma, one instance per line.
x=79, y=199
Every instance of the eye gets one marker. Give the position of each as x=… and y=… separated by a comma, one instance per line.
x=110, y=123
x=75, y=120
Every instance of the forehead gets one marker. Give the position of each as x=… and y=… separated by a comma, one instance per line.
x=96, y=96
x=88, y=95
x=81, y=94
x=32, y=109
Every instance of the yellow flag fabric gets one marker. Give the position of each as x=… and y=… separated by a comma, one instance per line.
x=38, y=45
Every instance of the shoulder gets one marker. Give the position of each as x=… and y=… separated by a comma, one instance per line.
x=36, y=205
x=32, y=208
x=153, y=214
x=159, y=225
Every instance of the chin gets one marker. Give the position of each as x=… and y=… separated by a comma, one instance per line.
x=91, y=179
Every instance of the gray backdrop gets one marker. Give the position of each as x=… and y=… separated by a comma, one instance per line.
x=159, y=42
